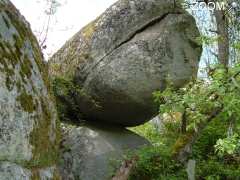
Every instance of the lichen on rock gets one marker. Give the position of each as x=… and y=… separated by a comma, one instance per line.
x=28, y=117
x=11, y=171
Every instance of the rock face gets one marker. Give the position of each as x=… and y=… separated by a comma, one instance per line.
x=157, y=123
x=9, y=171
x=90, y=152
x=28, y=133
x=126, y=54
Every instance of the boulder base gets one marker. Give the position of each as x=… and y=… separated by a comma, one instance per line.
x=90, y=152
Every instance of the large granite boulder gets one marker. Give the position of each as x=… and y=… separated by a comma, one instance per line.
x=28, y=133
x=133, y=49
x=92, y=151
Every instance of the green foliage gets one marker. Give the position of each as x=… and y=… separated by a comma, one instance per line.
x=148, y=131
x=207, y=40
x=64, y=90
x=69, y=96
x=156, y=162
x=199, y=99
x=229, y=145
x=204, y=146
x=209, y=108
x=236, y=46
x=153, y=163
x=213, y=169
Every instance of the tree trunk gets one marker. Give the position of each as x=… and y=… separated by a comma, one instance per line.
x=184, y=123
x=223, y=40
x=184, y=144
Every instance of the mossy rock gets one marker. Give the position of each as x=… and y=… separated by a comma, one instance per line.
x=11, y=171
x=28, y=117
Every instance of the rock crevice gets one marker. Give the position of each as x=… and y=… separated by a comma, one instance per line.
x=141, y=29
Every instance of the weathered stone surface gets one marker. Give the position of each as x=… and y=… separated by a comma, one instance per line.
x=27, y=112
x=158, y=123
x=10, y=171
x=191, y=168
x=126, y=54
x=89, y=151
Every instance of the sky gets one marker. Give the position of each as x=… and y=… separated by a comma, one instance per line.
x=69, y=18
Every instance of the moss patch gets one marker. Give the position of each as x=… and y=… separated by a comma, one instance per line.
x=26, y=102
x=181, y=142
x=35, y=174
x=45, y=151
x=6, y=22
x=25, y=32
x=56, y=176
x=72, y=59
x=89, y=30
x=26, y=68
x=8, y=61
